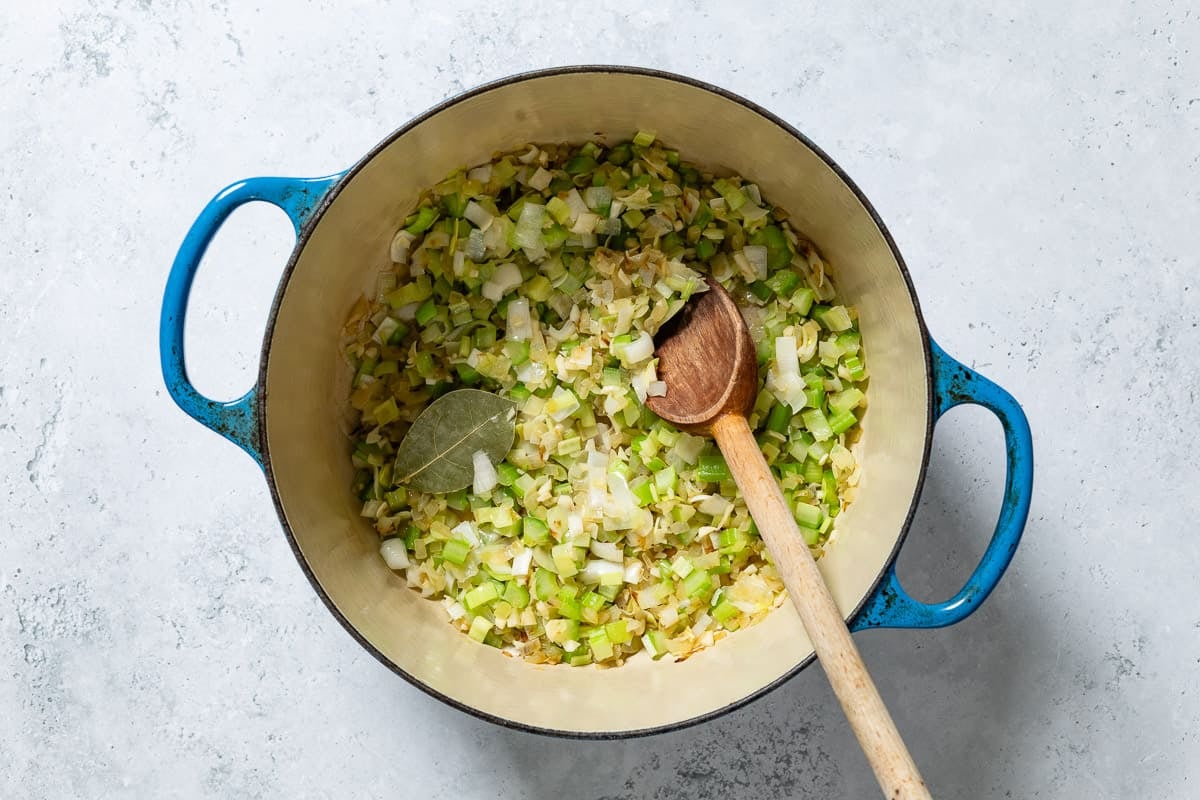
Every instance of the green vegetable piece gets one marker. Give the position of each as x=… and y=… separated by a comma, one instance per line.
x=436, y=454
x=480, y=596
x=516, y=595
x=416, y=291
x=712, y=467
x=426, y=312
x=545, y=584
x=480, y=628
x=724, y=612
x=620, y=154
x=456, y=551
x=705, y=249
x=579, y=165
x=423, y=221
x=840, y=423
x=698, y=582
x=396, y=499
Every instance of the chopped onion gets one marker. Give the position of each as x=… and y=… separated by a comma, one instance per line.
x=540, y=179
x=401, y=243
x=394, y=553
x=520, y=323
x=477, y=215
x=756, y=256
x=521, y=562
x=485, y=473
x=528, y=233
x=506, y=278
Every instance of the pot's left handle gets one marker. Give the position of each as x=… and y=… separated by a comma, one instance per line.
x=236, y=420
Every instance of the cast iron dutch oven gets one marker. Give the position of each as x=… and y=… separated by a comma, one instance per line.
x=294, y=421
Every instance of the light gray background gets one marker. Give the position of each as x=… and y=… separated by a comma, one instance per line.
x=1038, y=167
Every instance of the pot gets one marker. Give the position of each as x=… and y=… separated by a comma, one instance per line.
x=294, y=421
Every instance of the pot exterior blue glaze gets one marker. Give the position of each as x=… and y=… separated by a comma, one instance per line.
x=236, y=420
x=954, y=384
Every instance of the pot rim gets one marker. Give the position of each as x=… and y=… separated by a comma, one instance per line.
x=302, y=240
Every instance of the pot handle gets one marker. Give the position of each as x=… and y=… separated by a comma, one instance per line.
x=236, y=420
x=954, y=384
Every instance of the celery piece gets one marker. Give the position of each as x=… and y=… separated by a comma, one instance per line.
x=780, y=418
x=454, y=204
x=655, y=643
x=397, y=498
x=840, y=423
x=643, y=138
x=666, y=480
x=545, y=585
x=783, y=282
x=620, y=154
x=633, y=218
x=516, y=595
x=712, y=467
x=811, y=536
x=833, y=318
x=806, y=515
x=480, y=596
x=538, y=289
x=416, y=291
x=600, y=645
x=697, y=583
x=829, y=488
x=467, y=374
x=643, y=491
x=426, y=312
x=569, y=607
x=506, y=473
x=592, y=601
x=762, y=291
x=850, y=341
x=854, y=366
x=845, y=400
x=535, y=532
x=724, y=612
x=802, y=300
x=579, y=164
x=480, y=628
x=517, y=352
x=817, y=424
x=422, y=220
x=559, y=209
x=734, y=197
x=456, y=551
x=386, y=412
x=705, y=249
x=484, y=336
x=618, y=632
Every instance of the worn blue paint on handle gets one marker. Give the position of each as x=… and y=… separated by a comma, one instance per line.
x=236, y=420
x=954, y=384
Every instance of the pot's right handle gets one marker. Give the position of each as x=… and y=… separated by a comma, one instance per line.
x=236, y=420
x=954, y=384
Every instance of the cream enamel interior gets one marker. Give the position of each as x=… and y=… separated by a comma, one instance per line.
x=306, y=386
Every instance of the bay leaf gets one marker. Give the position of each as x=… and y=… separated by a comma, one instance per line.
x=436, y=453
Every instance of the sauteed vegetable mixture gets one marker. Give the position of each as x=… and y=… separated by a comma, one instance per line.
x=547, y=509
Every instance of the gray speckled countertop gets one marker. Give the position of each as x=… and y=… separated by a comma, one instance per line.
x=1038, y=167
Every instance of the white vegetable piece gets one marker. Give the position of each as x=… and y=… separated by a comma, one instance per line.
x=394, y=553
x=485, y=473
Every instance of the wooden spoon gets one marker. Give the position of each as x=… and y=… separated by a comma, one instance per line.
x=707, y=360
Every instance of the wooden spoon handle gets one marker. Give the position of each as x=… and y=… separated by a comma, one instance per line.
x=877, y=734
